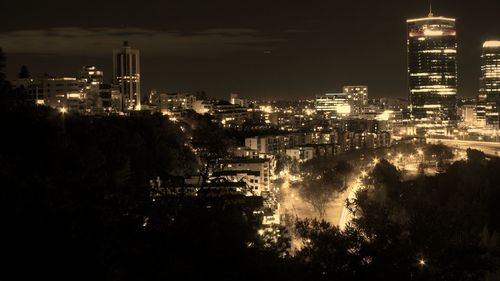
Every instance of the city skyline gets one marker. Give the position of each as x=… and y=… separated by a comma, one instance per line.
x=251, y=140
x=291, y=59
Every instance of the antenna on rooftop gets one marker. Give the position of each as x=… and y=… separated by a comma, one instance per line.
x=430, y=9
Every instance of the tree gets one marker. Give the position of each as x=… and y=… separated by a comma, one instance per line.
x=475, y=156
x=344, y=170
x=318, y=195
x=385, y=180
x=7, y=97
x=431, y=228
x=439, y=151
x=283, y=162
x=328, y=253
x=2, y=65
x=24, y=73
x=323, y=179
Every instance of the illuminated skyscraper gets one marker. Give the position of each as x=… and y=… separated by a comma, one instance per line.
x=489, y=85
x=127, y=76
x=432, y=69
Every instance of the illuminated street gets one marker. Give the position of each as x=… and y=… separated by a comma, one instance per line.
x=489, y=148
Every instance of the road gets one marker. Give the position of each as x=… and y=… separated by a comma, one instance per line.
x=345, y=214
x=488, y=148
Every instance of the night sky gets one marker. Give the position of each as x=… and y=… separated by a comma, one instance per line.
x=260, y=49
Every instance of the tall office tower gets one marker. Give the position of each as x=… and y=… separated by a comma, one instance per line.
x=432, y=69
x=489, y=85
x=357, y=96
x=127, y=76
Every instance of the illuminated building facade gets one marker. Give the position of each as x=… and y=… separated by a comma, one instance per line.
x=262, y=166
x=93, y=79
x=171, y=102
x=333, y=104
x=489, y=89
x=62, y=93
x=357, y=96
x=235, y=99
x=92, y=75
x=229, y=115
x=432, y=69
x=127, y=77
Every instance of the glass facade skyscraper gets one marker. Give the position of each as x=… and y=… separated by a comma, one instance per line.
x=489, y=85
x=432, y=69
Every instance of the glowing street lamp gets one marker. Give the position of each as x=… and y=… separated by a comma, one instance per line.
x=63, y=110
x=421, y=154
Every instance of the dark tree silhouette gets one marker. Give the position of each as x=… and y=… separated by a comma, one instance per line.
x=2, y=65
x=323, y=179
x=475, y=156
x=438, y=151
x=24, y=73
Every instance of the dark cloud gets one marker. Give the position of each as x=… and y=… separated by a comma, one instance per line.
x=99, y=41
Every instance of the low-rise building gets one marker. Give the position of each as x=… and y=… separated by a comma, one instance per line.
x=203, y=107
x=302, y=153
x=333, y=105
x=250, y=178
x=172, y=102
x=229, y=115
x=245, y=152
x=263, y=166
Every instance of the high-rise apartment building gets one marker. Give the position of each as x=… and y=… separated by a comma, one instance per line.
x=127, y=76
x=357, y=97
x=432, y=69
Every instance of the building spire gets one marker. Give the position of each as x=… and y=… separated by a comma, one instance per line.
x=430, y=9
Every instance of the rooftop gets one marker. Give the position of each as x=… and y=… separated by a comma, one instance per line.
x=235, y=172
x=430, y=19
x=491, y=44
